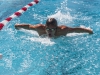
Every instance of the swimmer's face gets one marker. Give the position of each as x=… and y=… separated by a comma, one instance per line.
x=51, y=30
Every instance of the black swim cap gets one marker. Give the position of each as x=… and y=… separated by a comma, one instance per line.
x=51, y=21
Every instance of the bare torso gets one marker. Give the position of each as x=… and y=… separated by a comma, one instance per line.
x=61, y=30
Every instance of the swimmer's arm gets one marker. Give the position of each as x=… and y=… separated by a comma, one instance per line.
x=80, y=30
x=25, y=26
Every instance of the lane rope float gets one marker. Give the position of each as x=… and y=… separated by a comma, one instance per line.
x=18, y=13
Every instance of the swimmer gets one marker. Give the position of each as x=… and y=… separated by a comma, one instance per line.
x=51, y=28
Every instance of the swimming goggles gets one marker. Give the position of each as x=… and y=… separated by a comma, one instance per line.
x=51, y=29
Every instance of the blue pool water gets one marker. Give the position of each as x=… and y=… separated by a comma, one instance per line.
x=26, y=53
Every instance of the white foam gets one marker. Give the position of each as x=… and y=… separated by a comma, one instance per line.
x=31, y=32
x=63, y=18
x=45, y=41
x=35, y=37
x=75, y=34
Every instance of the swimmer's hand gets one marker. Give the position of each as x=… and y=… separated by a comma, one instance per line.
x=90, y=31
x=17, y=26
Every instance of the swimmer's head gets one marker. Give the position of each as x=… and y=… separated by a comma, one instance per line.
x=51, y=27
x=51, y=21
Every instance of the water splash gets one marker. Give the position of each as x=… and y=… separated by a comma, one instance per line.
x=62, y=18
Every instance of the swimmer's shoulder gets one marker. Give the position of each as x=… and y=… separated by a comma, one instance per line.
x=39, y=26
x=63, y=27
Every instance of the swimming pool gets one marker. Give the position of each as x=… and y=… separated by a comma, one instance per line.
x=26, y=53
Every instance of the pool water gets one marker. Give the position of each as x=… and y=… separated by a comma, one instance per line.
x=26, y=53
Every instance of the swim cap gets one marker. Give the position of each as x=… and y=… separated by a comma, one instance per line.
x=51, y=21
